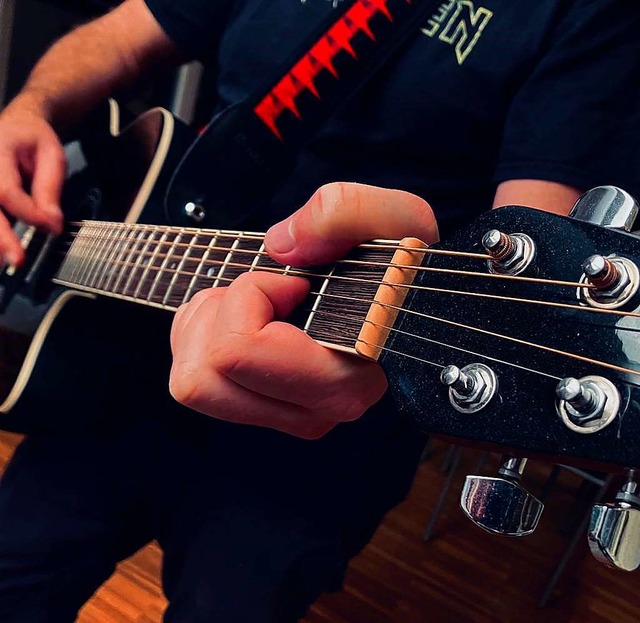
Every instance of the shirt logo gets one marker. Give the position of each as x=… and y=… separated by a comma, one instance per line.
x=460, y=24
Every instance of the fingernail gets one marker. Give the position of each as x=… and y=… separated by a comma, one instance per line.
x=11, y=260
x=280, y=237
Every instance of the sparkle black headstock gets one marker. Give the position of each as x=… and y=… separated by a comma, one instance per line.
x=522, y=333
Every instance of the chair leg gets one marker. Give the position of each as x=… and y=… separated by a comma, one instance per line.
x=578, y=534
x=449, y=457
x=452, y=462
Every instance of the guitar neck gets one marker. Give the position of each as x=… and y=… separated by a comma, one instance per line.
x=350, y=307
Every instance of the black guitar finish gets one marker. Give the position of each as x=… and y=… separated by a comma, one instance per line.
x=522, y=416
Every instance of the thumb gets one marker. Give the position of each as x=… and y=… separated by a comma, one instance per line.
x=341, y=215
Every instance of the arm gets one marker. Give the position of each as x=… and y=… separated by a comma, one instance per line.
x=541, y=194
x=80, y=70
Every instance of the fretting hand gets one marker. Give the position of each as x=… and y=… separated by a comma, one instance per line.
x=234, y=358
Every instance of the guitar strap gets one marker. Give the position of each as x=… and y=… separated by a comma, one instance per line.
x=335, y=62
x=248, y=150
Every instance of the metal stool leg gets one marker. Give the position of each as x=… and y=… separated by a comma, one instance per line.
x=579, y=534
x=452, y=462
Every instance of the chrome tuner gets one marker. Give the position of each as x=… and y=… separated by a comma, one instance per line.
x=614, y=281
x=195, y=212
x=509, y=254
x=607, y=206
x=614, y=530
x=502, y=505
x=587, y=405
x=470, y=388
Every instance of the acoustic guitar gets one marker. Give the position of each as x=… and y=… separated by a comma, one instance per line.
x=518, y=333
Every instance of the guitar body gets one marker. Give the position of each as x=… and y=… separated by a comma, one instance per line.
x=68, y=358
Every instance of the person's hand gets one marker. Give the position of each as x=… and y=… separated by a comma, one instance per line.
x=33, y=165
x=234, y=359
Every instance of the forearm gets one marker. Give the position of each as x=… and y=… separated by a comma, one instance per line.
x=93, y=62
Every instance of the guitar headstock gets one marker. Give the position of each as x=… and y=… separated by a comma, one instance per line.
x=522, y=333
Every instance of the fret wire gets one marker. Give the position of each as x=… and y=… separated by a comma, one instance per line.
x=127, y=243
x=76, y=259
x=163, y=265
x=127, y=262
x=227, y=259
x=179, y=268
x=103, y=262
x=101, y=248
x=196, y=275
x=147, y=242
x=318, y=300
x=149, y=265
x=86, y=255
x=256, y=259
x=110, y=271
x=95, y=262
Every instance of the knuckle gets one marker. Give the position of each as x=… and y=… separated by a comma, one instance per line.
x=203, y=296
x=328, y=200
x=228, y=356
x=315, y=431
x=184, y=385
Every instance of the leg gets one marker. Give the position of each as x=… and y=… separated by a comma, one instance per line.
x=273, y=521
x=69, y=511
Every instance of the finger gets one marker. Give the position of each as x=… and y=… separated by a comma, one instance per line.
x=210, y=297
x=253, y=300
x=48, y=178
x=341, y=215
x=15, y=200
x=11, y=251
x=211, y=394
x=284, y=363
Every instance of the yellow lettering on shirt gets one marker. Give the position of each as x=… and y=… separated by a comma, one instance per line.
x=460, y=24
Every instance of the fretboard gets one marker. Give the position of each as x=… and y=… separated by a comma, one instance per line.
x=164, y=267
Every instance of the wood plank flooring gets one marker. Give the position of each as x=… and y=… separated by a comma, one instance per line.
x=461, y=575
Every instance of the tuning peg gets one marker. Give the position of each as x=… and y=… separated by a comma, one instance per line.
x=509, y=254
x=614, y=530
x=502, y=505
x=607, y=206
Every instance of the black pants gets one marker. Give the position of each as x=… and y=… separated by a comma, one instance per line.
x=254, y=524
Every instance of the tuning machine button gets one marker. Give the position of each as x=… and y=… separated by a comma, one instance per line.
x=607, y=206
x=614, y=529
x=470, y=388
x=614, y=280
x=502, y=505
x=510, y=254
x=587, y=405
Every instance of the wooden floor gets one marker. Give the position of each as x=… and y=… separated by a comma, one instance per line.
x=461, y=575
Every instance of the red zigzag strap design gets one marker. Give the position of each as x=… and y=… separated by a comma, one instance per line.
x=302, y=75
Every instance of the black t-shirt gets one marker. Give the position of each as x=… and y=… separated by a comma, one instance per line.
x=486, y=91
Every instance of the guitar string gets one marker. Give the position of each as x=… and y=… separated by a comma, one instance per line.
x=403, y=310
x=236, y=235
x=430, y=340
x=306, y=273
x=569, y=284
x=509, y=338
